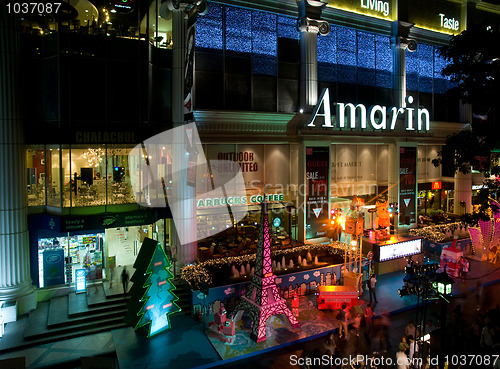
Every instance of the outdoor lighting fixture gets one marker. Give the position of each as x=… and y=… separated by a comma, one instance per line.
x=443, y=283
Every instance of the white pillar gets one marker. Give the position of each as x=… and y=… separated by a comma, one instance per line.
x=393, y=175
x=15, y=281
x=308, y=68
x=301, y=195
x=399, y=73
x=185, y=219
x=462, y=202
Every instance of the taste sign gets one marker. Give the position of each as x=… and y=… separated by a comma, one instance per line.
x=449, y=23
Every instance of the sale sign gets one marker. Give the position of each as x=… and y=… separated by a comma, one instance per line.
x=317, y=169
x=407, y=185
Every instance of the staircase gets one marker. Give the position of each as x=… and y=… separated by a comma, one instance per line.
x=74, y=315
x=183, y=292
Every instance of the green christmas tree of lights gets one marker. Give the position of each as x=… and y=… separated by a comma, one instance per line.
x=152, y=300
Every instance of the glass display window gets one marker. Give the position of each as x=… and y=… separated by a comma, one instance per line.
x=53, y=175
x=59, y=257
x=35, y=175
x=118, y=184
x=87, y=166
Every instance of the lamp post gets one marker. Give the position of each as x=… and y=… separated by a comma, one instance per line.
x=442, y=284
x=422, y=281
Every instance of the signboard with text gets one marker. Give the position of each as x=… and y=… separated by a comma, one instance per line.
x=81, y=281
x=437, y=15
x=384, y=9
x=53, y=267
x=407, y=185
x=317, y=170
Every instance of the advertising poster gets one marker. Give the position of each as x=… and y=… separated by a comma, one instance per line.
x=81, y=280
x=317, y=169
x=53, y=267
x=407, y=185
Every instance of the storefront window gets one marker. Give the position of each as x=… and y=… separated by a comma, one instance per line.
x=88, y=172
x=269, y=165
x=66, y=176
x=35, y=168
x=118, y=175
x=60, y=257
x=53, y=175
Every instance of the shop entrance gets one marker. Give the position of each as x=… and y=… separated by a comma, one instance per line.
x=60, y=257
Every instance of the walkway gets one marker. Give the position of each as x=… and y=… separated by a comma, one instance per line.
x=185, y=346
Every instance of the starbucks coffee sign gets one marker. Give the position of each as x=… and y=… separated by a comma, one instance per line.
x=379, y=117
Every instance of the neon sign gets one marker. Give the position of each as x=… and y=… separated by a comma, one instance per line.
x=449, y=23
x=382, y=9
x=379, y=117
x=376, y=5
x=436, y=185
x=240, y=200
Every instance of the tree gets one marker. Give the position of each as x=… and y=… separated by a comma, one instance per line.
x=152, y=300
x=474, y=65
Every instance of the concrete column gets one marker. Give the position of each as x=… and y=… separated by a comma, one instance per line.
x=465, y=112
x=462, y=202
x=308, y=68
x=301, y=197
x=185, y=218
x=15, y=281
x=393, y=174
x=399, y=73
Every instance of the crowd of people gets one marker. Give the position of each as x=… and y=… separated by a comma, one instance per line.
x=364, y=334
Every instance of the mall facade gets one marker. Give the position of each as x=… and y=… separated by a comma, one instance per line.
x=315, y=102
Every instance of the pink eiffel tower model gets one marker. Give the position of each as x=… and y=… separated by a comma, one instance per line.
x=262, y=299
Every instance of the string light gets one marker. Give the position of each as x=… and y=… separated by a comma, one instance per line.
x=436, y=233
x=201, y=272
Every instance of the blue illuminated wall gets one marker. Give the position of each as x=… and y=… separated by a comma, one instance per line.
x=355, y=57
x=248, y=32
x=423, y=70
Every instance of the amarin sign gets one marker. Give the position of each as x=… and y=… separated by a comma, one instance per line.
x=380, y=117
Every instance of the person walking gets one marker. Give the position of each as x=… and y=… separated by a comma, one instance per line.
x=368, y=314
x=125, y=279
x=342, y=317
x=372, y=282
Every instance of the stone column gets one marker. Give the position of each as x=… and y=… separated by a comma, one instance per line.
x=399, y=73
x=15, y=281
x=184, y=218
x=301, y=195
x=393, y=175
x=308, y=68
x=400, y=42
x=462, y=203
x=310, y=24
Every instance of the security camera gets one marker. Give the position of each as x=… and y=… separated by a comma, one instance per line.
x=409, y=43
x=412, y=45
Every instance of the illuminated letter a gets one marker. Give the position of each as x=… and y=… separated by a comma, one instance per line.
x=324, y=100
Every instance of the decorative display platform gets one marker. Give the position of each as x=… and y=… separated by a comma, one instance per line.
x=279, y=330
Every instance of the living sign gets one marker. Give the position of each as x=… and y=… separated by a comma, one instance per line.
x=376, y=5
x=379, y=117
